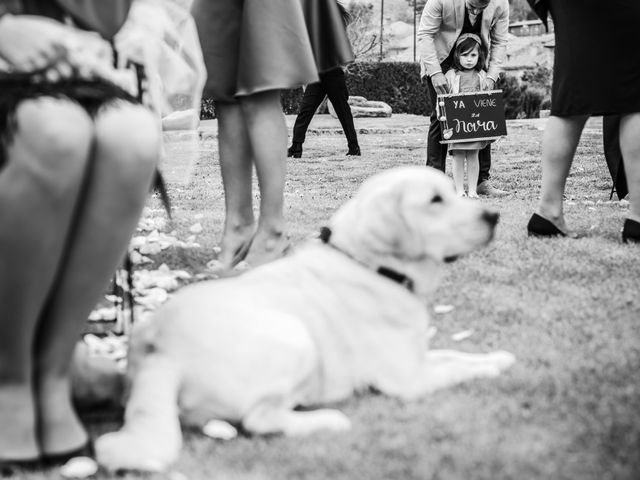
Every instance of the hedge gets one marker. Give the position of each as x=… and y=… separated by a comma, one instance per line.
x=399, y=85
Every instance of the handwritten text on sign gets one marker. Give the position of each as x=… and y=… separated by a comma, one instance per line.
x=472, y=116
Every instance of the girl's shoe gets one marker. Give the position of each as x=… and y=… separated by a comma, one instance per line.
x=473, y=195
x=539, y=226
x=462, y=194
x=631, y=231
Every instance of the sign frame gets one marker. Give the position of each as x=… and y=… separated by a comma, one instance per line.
x=446, y=117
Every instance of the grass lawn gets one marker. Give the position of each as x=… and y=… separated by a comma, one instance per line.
x=568, y=309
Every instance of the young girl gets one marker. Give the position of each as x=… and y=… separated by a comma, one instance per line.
x=467, y=75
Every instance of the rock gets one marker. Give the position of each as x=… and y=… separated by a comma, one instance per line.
x=361, y=107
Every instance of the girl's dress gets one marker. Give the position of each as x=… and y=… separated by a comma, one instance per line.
x=251, y=46
x=462, y=82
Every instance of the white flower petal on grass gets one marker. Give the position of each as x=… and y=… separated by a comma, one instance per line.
x=104, y=313
x=195, y=228
x=177, y=476
x=462, y=335
x=79, y=467
x=443, y=309
x=220, y=430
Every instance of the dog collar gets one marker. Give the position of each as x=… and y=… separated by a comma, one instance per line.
x=391, y=274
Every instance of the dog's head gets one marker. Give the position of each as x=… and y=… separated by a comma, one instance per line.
x=409, y=215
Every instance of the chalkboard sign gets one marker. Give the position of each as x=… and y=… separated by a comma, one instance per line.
x=467, y=117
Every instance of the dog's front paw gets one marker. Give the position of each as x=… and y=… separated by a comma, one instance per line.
x=125, y=450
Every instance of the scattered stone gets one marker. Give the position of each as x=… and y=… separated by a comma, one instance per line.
x=462, y=335
x=79, y=467
x=439, y=309
x=220, y=430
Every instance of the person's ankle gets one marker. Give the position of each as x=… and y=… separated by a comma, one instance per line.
x=17, y=417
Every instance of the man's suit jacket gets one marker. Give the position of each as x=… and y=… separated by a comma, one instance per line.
x=440, y=26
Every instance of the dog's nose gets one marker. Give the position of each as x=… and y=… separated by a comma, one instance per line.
x=490, y=217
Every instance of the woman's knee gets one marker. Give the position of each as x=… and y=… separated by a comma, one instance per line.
x=52, y=141
x=129, y=137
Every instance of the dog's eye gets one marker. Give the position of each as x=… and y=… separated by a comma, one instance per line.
x=436, y=199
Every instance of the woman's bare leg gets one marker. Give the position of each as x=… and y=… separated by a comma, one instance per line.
x=126, y=151
x=236, y=164
x=39, y=188
x=267, y=132
x=559, y=143
x=630, y=147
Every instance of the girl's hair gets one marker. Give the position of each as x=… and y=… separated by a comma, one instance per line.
x=465, y=46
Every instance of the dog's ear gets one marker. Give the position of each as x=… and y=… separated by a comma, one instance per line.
x=417, y=212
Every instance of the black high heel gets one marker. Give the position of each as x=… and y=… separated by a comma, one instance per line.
x=8, y=468
x=631, y=231
x=354, y=150
x=539, y=226
x=295, y=150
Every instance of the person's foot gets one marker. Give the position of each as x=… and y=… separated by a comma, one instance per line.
x=462, y=194
x=473, y=195
x=60, y=431
x=268, y=246
x=631, y=231
x=485, y=188
x=541, y=226
x=354, y=150
x=235, y=245
x=18, y=442
x=295, y=150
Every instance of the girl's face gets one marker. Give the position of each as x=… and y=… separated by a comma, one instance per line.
x=469, y=59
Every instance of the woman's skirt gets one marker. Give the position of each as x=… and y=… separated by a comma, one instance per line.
x=14, y=89
x=251, y=46
x=597, y=65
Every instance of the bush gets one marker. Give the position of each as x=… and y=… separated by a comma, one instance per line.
x=207, y=110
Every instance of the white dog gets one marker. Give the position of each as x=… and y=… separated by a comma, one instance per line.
x=333, y=318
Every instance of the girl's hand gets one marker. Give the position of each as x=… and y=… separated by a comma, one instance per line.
x=31, y=43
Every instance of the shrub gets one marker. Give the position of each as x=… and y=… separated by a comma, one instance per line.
x=207, y=110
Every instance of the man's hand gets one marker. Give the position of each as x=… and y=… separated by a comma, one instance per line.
x=439, y=82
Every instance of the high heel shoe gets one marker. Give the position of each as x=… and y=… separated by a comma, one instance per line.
x=539, y=226
x=8, y=468
x=295, y=150
x=354, y=150
x=631, y=231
